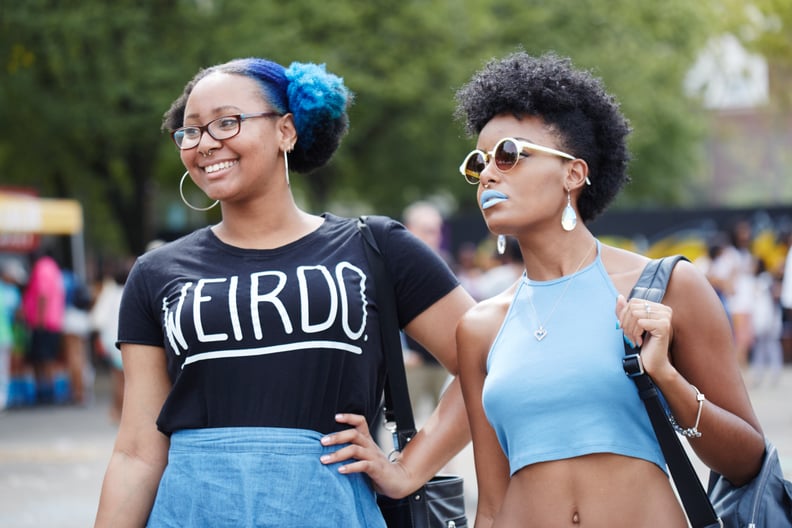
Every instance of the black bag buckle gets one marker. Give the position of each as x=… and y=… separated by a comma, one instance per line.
x=633, y=366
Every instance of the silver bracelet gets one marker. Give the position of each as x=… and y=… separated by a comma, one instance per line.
x=690, y=432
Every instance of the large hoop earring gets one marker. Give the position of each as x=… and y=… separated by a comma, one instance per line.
x=286, y=162
x=188, y=204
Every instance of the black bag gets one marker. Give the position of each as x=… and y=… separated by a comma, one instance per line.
x=765, y=502
x=440, y=503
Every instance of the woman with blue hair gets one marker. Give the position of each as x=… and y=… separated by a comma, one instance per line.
x=251, y=348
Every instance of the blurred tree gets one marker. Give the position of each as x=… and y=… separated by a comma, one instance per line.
x=642, y=51
x=765, y=27
x=750, y=61
x=87, y=85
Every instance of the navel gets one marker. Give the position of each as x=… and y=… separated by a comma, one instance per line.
x=576, y=518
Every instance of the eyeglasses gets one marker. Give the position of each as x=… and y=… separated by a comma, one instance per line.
x=221, y=128
x=506, y=153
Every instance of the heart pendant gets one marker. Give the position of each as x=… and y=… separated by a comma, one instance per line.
x=540, y=333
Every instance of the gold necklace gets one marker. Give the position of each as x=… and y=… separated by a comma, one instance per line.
x=541, y=332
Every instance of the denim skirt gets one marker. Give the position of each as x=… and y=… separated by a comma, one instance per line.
x=259, y=477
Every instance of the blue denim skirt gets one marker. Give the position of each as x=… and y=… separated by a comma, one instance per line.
x=259, y=477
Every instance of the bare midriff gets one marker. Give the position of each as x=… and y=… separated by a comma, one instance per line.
x=592, y=491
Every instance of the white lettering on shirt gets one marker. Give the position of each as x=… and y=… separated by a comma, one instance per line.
x=198, y=299
x=345, y=303
x=173, y=321
x=271, y=297
x=305, y=304
x=232, y=308
x=312, y=282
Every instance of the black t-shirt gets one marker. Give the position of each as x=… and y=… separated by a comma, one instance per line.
x=286, y=337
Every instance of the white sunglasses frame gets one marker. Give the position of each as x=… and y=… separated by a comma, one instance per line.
x=522, y=145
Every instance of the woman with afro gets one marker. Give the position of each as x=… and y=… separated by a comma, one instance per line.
x=560, y=435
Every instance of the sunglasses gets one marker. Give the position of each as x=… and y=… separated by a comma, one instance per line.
x=506, y=154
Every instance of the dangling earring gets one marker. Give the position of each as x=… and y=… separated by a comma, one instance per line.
x=501, y=244
x=286, y=162
x=569, y=217
x=188, y=204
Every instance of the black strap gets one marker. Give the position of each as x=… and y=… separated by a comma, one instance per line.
x=397, y=408
x=652, y=286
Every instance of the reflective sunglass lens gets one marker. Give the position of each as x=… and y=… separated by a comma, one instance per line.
x=506, y=155
x=473, y=166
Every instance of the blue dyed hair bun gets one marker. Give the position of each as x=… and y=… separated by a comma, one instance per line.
x=314, y=95
x=318, y=100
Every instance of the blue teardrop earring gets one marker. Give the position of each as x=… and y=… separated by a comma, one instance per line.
x=569, y=217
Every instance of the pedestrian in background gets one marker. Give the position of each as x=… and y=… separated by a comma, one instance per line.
x=506, y=270
x=75, y=340
x=467, y=268
x=12, y=277
x=560, y=434
x=767, y=354
x=104, y=322
x=44, y=305
x=426, y=376
x=786, y=281
x=733, y=269
x=251, y=348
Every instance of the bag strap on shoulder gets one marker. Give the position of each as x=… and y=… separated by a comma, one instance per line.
x=653, y=282
x=397, y=407
x=652, y=286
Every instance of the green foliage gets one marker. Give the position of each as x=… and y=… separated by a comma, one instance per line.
x=765, y=27
x=87, y=83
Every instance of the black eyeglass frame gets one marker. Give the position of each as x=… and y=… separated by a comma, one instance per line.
x=238, y=118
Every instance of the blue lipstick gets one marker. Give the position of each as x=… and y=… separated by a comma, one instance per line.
x=491, y=198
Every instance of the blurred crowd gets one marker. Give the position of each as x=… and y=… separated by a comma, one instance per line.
x=756, y=292
x=56, y=329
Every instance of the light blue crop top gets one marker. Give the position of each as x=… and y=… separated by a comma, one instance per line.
x=566, y=395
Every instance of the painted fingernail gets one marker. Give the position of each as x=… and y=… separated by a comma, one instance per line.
x=627, y=340
x=617, y=324
x=325, y=440
x=325, y=458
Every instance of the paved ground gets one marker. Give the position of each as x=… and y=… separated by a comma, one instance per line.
x=52, y=459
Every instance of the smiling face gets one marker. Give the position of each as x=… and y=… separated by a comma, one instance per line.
x=533, y=191
x=243, y=166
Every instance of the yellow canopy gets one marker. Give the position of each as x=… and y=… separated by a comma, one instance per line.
x=20, y=213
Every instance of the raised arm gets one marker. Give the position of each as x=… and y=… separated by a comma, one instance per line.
x=690, y=344
x=141, y=451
